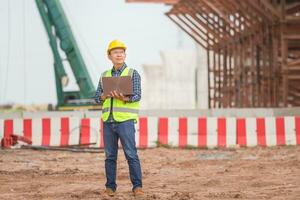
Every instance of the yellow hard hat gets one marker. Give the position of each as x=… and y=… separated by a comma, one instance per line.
x=116, y=44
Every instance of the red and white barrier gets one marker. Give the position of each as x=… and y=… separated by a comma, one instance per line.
x=205, y=132
x=54, y=131
x=268, y=131
x=146, y=132
x=197, y=132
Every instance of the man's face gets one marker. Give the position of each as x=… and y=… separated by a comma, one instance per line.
x=117, y=56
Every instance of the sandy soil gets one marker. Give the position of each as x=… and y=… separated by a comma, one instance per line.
x=252, y=173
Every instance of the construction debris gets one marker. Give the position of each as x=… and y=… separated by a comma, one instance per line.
x=72, y=149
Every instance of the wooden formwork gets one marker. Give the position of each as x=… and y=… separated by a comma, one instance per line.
x=253, y=49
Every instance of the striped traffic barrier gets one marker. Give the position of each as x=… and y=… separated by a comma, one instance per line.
x=202, y=132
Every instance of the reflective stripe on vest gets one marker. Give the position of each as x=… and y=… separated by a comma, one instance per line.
x=129, y=110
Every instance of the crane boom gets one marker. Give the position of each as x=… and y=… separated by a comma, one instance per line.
x=60, y=35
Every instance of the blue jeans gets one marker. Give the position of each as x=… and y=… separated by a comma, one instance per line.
x=126, y=132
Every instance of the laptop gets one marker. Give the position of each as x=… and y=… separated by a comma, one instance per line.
x=121, y=84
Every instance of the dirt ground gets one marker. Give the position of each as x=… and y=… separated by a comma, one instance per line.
x=175, y=174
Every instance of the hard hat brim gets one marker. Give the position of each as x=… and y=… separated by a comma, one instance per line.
x=109, y=50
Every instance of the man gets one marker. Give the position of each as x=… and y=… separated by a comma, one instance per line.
x=119, y=113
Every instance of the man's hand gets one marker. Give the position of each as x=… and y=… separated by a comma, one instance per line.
x=103, y=97
x=119, y=96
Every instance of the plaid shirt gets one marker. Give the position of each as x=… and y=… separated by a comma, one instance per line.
x=136, y=84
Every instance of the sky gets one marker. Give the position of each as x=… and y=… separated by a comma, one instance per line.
x=26, y=60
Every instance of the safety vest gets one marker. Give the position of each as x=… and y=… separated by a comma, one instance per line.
x=121, y=111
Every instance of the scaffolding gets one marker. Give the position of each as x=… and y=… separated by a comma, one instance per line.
x=253, y=48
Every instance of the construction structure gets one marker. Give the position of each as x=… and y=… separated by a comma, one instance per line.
x=253, y=48
x=61, y=39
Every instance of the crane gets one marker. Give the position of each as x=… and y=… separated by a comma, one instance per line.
x=61, y=38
